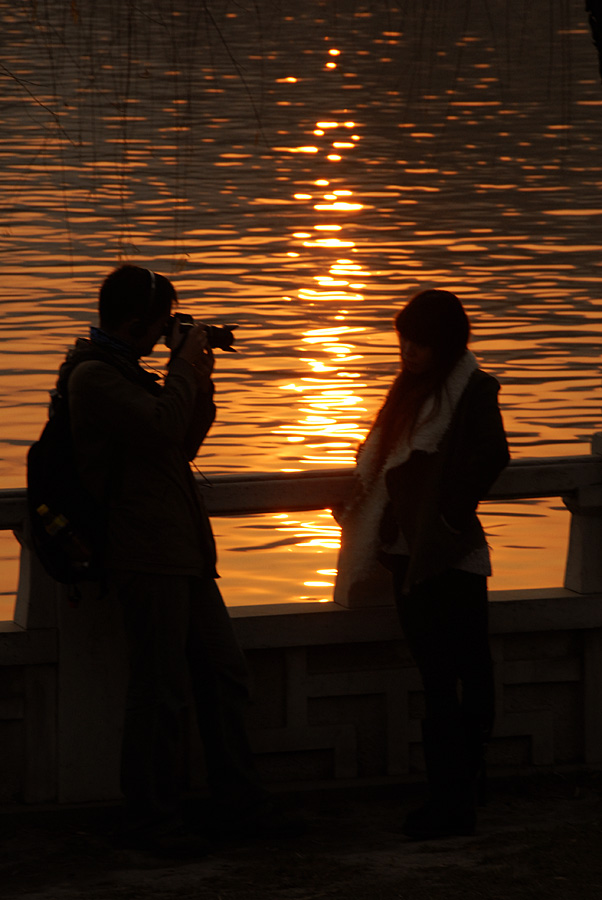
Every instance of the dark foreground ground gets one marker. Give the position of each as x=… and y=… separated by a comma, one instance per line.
x=538, y=838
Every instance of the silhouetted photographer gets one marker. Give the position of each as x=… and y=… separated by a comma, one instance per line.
x=134, y=439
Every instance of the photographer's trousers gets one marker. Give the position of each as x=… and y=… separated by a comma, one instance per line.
x=181, y=645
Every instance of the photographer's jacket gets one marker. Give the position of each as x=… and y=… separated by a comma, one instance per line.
x=134, y=440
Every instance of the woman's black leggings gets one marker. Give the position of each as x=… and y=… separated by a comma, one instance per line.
x=445, y=621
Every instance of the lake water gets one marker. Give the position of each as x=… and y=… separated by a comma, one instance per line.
x=301, y=170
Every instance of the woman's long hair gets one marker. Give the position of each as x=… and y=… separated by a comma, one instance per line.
x=435, y=319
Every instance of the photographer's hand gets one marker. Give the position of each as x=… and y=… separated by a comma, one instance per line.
x=197, y=352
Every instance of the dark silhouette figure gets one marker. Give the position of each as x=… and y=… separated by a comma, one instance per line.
x=134, y=439
x=435, y=448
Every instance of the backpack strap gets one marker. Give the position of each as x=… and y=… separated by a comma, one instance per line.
x=86, y=350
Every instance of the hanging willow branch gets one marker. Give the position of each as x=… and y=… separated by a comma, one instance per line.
x=594, y=11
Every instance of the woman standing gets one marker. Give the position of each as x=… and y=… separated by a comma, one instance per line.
x=435, y=449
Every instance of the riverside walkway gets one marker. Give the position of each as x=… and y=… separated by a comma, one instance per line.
x=539, y=839
x=336, y=720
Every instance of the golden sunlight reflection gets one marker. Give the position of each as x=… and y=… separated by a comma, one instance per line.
x=328, y=242
x=338, y=206
x=306, y=542
x=303, y=149
x=9, y=574
x=331, y=415
x=330, y=406
x=303, y=226
x=323, y=534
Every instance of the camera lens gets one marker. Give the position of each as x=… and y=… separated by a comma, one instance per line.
x=220, y=338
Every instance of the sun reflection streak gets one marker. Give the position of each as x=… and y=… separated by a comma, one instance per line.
x=331, y=414
x=331, y=407
x=323, y=533
x=331, y=410
x=328, y=242
x=339, y=206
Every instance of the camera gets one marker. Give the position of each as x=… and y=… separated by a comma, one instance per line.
x=219, y=337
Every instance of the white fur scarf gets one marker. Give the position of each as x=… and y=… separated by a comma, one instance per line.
x=361, y=520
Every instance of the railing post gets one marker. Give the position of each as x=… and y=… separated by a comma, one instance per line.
x=37, y=593
x=584, y=558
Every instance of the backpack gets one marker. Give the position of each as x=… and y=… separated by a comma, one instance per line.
x=67, y=523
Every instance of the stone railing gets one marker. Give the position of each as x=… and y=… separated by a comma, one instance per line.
x=336, y=693
x=577, y=479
